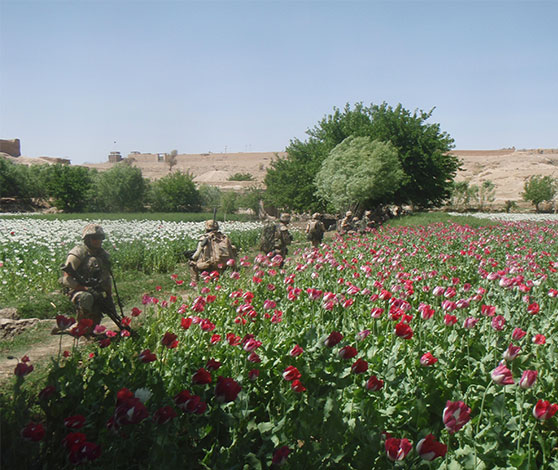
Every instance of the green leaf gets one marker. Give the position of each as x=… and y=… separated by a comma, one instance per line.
x=265, y=427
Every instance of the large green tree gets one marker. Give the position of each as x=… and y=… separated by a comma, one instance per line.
x=68, y=186
x=359, y=171
x=422, y=152
x=539, y=189
x=175, y=192
x=120, y=189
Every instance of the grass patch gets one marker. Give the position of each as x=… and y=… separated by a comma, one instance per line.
x=18, y=345
x=426, y=218
x=166, y=216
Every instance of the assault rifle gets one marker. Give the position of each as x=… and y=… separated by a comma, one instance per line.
x=101, y=297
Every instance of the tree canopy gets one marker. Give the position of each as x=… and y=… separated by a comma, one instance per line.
x=422, y=150
x=539, y=189
x=120, y=189
x=175, y=192
x=359, y=170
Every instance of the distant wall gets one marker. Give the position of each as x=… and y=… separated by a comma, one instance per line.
x=482, y=153
x=12, y=147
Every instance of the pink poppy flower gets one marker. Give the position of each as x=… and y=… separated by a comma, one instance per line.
x=512, y=352
x=498, y=322
x=528, y=379
x=501, y=375
x=518, y=333
x=455, y=415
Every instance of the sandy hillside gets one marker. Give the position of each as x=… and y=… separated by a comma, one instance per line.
x=507, y=169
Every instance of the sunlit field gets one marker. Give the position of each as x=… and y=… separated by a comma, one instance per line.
x=433, y=346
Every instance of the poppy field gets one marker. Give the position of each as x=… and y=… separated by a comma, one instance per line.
x=407, y=347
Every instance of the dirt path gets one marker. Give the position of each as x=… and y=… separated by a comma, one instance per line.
x=39, y=352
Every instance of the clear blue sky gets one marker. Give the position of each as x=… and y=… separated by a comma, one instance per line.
x=79, y=79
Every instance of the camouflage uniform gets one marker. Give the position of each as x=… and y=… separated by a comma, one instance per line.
x=366, y=224
x=346, y=223
x=315, y=230
x=203, y=258
x=91, y=262
x=283, y=237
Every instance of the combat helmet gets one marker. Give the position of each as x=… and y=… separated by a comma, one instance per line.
x=211, y=225
x=285, y=218
x=94, y=231
x=316, y=215
x=348, y=214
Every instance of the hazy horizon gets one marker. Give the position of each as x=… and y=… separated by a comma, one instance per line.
x=82, y=78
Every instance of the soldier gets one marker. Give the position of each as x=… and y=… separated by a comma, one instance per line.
x=315, y=230
x=88, y=264
x=213, y=252
x=366, y=223
x=355, y=225
x=346, y=223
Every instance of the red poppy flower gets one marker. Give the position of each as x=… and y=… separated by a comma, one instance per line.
x=544, y=410
x=169, y=340
x=73, y=439
x=164, y=414
x=403, y=330
x=226, y=390
x=296, y=351
x=533, y=308
x=201, y=377
x=280, y=455
x=84, y=452
x=297, y=386
x=347, y=352
x=22, y=369
x=429, y=448
x=33, y=432
x=135, y=312
x=334, y=338
x=63, y=322
x=374, y=384
x=397, y=449
x=212, y=364
x=147, y=356
x=74, y=422
x=47, y=392
x=291, y=373
x=359, y=367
